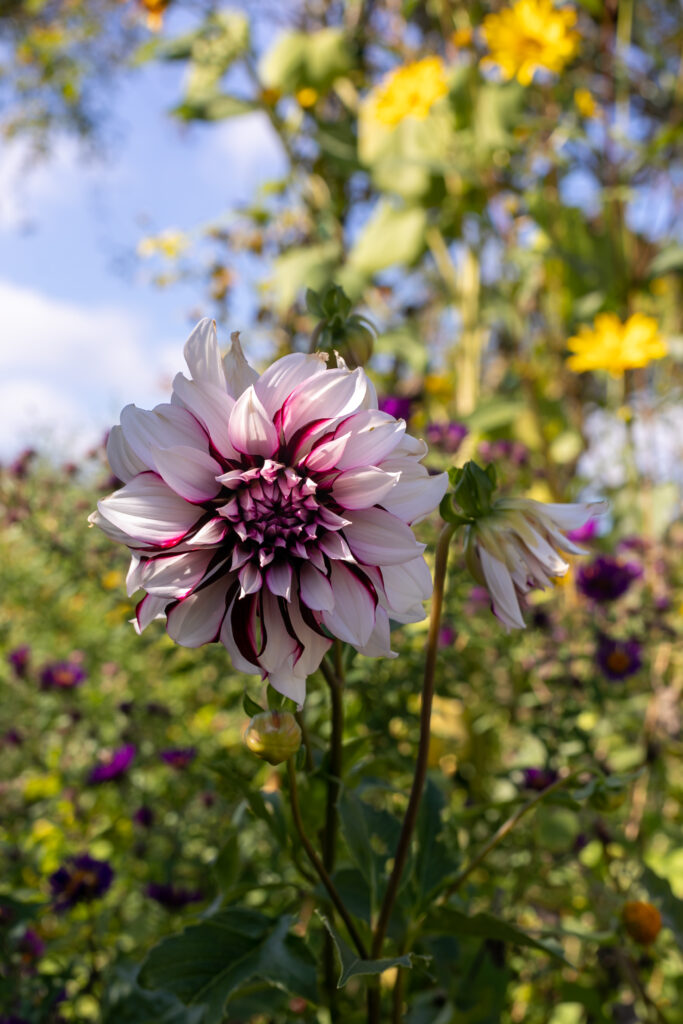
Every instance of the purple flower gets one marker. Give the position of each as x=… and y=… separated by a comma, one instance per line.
x=172, y=897
x=178, y=757
x=446, y=636
x=448, y=436
x=396, y=406
x=619, y=659
x=584, y=533
x=606, y=578
x=81, y=879
x=511, y=451
x=12, y=738
x=62, y=675
x=19, y=468
x=539, y=778
x=19, y=659
x=144, y=816
x=114, y=765
x=31, y=947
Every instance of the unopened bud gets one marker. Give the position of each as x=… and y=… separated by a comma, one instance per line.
x=273, y=736
x=642, y=921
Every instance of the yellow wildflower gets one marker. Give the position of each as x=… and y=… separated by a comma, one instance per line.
x=307, y=97
x=530, y=36
x=585, y=103
x=462, y=37
x=616, y=346
x=409, y=91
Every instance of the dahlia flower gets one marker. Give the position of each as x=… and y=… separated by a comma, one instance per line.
x=516, y=547
x=271, y=513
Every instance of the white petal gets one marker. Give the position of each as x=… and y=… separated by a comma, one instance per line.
x=238, y=373
x=134, y=576
x=230, y=644
x=279, y=579
x=149, y=609
x=326, y=396
x=113, y=532
x=198, y=619
x=203, y=356
x=211, y=406
x=417, y=493
x=166, y=426
x=147, y=510
x=287, y=682
x=380, y=538
x=361, y=488
x=374, y=436
x=501, y=588
x=325, y=456
x=189, y=472
x=353, y=617
x=407, y=585
x=379, y=641
x=280, y=379
x=314, y=645
x=174, y=576
x=334, y=546
x=281, y=648
x=250, y=579
x=125, y=464
x=315, y=589
x=251, y=431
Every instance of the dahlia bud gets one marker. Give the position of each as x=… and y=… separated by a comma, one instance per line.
x=339, y=331
x=273, y=736
x=512, y=544
x=642, y=921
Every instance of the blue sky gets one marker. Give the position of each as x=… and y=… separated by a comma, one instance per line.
x=83, y=331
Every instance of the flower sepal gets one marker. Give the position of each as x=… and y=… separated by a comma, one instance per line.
x=340, y=332
x=473, y=489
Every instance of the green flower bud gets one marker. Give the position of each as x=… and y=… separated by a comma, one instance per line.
x=273, y=736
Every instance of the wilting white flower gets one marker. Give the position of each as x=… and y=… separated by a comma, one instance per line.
x=271, y=513
x=517, y=545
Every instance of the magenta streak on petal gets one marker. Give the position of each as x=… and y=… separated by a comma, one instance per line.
x=284, y=612
x=242, y=618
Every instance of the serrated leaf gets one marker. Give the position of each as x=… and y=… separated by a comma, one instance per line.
x=210, y=961
x=449, y=921
x=352, y=965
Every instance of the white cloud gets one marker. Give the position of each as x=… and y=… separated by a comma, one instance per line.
x=68, y=369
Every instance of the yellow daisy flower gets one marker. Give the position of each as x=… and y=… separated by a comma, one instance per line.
x=614, y=345
x=585, y=103
x=409, y=91
x=531, y=35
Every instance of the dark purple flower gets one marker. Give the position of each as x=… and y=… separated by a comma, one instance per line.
x=31, y=947
x=62, y=675
x=115, y=764
x=19, y=468
x=208, y=798
x=396, y=405
x=19, y=659
x=606, y=578
x=503, y=450
x=144, y=816
x=584, y=533
x=14, y=1020
x=12, y=738
x=81, y=879
x=618, y=659
x=448, y=436
x=539, y=778
x=446, y=636
x=178, y=757
x=172, y=897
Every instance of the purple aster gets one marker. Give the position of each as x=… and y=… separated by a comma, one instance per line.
x=62, y=675
x=178, y=757
x=173, y=897
x=584, y=533
x=81, y=879
x=539, y=778
x=618, y=659
x=606, y=578
x=448, y=436
x=396, y=405
x=114, y=765
x=144, y=816
x=19, y=659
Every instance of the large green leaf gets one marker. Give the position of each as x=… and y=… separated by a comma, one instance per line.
x=449, y=921
x=299, y=60
x=393, y=235
x=357, y=835
x=352, y=965
x=303, y=268
x=124, y=1002
x=210, y=961
x=659, y=890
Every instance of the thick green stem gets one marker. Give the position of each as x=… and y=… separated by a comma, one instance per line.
x=420, y=775
x=318, y=865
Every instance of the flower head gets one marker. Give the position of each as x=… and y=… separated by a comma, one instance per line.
x=514, y=545
x=539, y=778
x=81, y=879
x=448, y=436
x=271, y=513
x=273, y=736
x=606, y=578
x=615, y=345
x=62, y=675
x=619, y=659
x=530, y=36
x=114, y=765
x=144, y=816
x=172, y=897
x=178, y=757
x=408, y=91
x=398, y=406
x=19, y=659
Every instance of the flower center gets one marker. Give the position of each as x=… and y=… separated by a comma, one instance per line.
x=272, y=506
x=618, y=661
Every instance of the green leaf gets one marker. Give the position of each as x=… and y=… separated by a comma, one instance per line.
x=254, y=797
x=449, y=921
x=124, y=1002
x=434, y=865
x=660, y=892
x=667, y=260
x=357, y=835
x=393, y=235
x=226, y=866
x=297, y=269
x=250, y=706
x=216, y=107
x=209, y=962
x=498, y=412
x=351, y=965
x=299, y=60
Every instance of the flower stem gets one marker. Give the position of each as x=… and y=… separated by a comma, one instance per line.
x=318, y=865
x=420, y=775
x=335, y=681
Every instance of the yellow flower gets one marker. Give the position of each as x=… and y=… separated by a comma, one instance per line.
x=531, y=35
x=307, y=97
x=615, y=346
x=409, y=91
x=585, y=103
x=462, y=37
